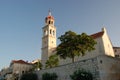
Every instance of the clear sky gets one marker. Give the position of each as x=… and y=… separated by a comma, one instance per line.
x=21, y=23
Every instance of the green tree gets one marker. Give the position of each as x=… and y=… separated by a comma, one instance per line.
x=52, y=61
x=73, y=44
x=29, y=76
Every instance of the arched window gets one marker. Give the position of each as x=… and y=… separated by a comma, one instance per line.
x=23, y=72
x=53, y=32
x=45, y=32
x=49, y=22
x=50, y=31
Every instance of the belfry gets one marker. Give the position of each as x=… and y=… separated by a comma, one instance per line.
x=49, y=38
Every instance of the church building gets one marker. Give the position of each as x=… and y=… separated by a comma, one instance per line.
x=103, y=46
x=101, y=62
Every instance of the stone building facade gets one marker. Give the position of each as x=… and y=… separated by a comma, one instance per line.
x=15, y=70
x=101, y=62
x=20, y=66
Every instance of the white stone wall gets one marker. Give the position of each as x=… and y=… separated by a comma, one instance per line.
x=108, y=47
x=102, y=67
x=64, y=71
x=103, y=46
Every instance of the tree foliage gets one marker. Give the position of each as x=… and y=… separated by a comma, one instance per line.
x=81, y=75
x=29, y=76
x=73, y=44
x=52, y=61
x=49, y=76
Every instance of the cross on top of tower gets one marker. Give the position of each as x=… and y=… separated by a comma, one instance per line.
x=50, y=16
x=49, y=13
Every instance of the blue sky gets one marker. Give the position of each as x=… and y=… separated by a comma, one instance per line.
x=21, y=23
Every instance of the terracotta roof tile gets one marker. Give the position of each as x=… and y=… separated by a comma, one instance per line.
x=20, y=61
x=97, y=35
x=116, y=47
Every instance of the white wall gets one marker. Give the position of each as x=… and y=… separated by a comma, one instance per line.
x=108, y=47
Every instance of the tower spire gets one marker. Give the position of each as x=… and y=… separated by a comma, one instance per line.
x=49, y=12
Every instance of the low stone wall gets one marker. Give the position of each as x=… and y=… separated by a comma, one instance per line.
x=64, y=71
x=102, y=67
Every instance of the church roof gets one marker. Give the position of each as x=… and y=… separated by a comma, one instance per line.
x=50, y=17
x=21, y=62
x=116, y=47
x=97, y=35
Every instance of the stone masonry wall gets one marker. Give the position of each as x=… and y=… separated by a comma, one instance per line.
x=109, y=67
x=102, y=67
x=64, y=71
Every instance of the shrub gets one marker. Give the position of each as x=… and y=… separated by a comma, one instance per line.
x=49, y=76
x=81, y=75
x=29, y=76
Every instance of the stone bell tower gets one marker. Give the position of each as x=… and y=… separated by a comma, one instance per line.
x=49, y=38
